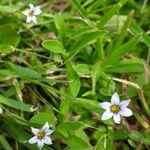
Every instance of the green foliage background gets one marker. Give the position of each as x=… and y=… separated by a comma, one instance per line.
x=77, y=55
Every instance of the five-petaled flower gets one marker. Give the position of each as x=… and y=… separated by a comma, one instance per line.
x=32, y=13
x=116, y=109
x=41, y=136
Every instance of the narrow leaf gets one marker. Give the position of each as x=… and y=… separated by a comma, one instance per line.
x=16, y=104
x=123, y=32
x=89, y=104
x=5, y=143
x=84, y=40
x=125, y=48
x=60, y=26
x=108, y=15
x=74, y=79
x=125, y=67
x=95, y=74
x=79, y=7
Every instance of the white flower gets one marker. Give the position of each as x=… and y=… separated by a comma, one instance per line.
x=32, y=13
x=116, y=109
x=41, y=136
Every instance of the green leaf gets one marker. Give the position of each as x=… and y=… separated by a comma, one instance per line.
x=84, y=40
x=16, y=104
x=8, y=37
x=65, y=106
x=95, y=74
x=79, y=7
x=105, y=143
x=100, y=132
x=75, y=34
x=70, y=125
x=6, y=74
x=53, y=46
x=60, y=26
x=140, y=137
x=64, y=127
x=22, y=71
x=146, y=138
x=101, y=144
x=95, y=5
x=137, y=29
x=100, y=49
x=108, y=15
x=109, y=88
x=118, y=135
x=125, y=67
x=146, y=39
x=115, y=23
x=18, y=89
x=123, y=32
x=83, y=69
x=89, y=104
x=73, y=79
x=125, y=48
x=42, y=118
x=76, y=143
x=5, y=143
x=136, y=136
x=8, y=9
x=17, y=132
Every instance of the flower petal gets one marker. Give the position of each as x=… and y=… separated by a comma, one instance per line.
x=35, y=131
x=48, y=132
x=45, y=127
x=107, y=115
x=105, y=105
x=125, y=103
x=34, y=20
x=37, y=10
x=33, y=140
x=117, y=118
x=26, y=12
x=115, y=98
x=29, y=19
x=126, y=112
x=47, y=140
x=40, y=144
x=31, y=6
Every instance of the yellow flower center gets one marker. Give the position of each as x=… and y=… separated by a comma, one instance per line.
x=41, y=135
x=115, y=108
x=31, y=13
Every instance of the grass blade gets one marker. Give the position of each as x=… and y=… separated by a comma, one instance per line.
x=79, y=7
x=108, y=15
x=16, y=104
x=123, y=32
x=125, y=48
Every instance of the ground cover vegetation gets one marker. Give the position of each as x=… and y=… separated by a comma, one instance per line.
x=75, y=74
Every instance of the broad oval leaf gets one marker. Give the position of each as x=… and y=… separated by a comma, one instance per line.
x=42, y=118
x=125, y=48
x=53, y=46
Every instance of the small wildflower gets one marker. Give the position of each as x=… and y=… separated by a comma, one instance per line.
x=116, y=109
x=41, y=136
x=32, y=13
